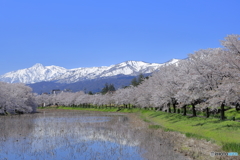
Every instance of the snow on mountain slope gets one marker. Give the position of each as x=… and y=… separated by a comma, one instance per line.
x=38, y=72
x=126, y=68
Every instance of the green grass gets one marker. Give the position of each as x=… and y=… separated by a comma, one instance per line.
x=224, y=133
x=105, y=109
x=232, y=113
x=229, y=147
x=192, y=135
x=145, y=120
x=154, y=126
x=229, y=114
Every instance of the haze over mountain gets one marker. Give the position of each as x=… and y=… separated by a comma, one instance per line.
x=39, y=73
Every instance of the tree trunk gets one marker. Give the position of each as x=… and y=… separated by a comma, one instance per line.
x=184, y=110
x=169, y=108
x=207, y=112
x=174, y=107
x=237, y=107
x=194, y=114
x=222, y=116
x=178, y=110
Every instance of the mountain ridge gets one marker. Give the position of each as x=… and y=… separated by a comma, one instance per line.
x=39, y=72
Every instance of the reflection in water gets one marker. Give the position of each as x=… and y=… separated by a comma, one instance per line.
x=79, y=135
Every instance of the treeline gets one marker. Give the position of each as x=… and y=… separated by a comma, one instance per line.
x=16, y=99
x=138, y=80
x=207, y=80
x=108, y=88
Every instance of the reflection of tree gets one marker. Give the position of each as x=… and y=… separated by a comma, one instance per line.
x=15, y=132
x=72, y=135
x=15, y=126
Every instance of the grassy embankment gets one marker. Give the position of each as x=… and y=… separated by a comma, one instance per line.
x=223, y=133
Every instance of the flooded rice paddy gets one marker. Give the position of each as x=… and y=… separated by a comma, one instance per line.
x=67, y=135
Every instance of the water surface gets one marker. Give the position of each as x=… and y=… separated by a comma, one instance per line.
x=80, y=135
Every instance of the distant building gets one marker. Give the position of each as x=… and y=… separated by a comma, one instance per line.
x=45, y=93
x=67, y=90
x=56, y=91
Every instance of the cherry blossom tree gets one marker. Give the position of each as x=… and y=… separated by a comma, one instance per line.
x=16, y=98
x=208, y=79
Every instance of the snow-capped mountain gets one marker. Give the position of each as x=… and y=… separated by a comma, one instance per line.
x=38, y=72
x=126, y=68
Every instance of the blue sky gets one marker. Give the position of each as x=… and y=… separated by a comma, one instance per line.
x=87, y=33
